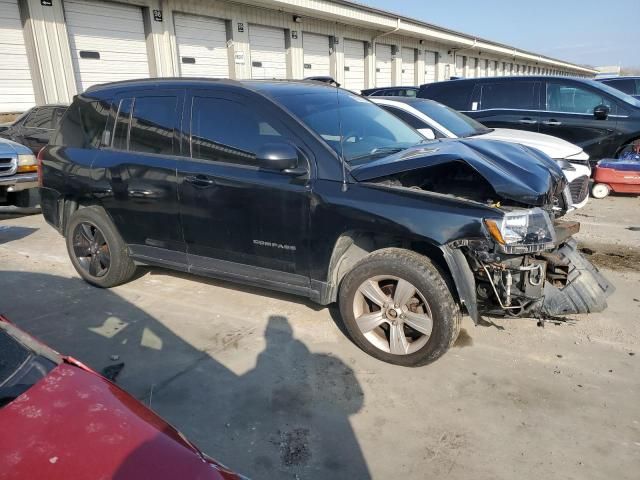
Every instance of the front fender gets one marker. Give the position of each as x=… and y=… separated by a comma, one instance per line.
x=463, y=279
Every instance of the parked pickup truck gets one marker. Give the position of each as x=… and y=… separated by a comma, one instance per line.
x=310, y=189
x=18, y=175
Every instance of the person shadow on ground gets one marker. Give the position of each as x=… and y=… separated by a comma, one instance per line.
x=286, y=418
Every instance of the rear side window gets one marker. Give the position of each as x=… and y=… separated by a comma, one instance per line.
x=228, y=131
x=456, y=95
x=41, y=118
x=516, y=95
x=626, y=85
x=83, y=124
x=145, y=124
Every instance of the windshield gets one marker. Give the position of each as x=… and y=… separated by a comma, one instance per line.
x=614, y=92
x=367, y=131
x=457, y=123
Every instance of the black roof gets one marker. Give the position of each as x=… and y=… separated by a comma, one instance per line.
x=518, y=78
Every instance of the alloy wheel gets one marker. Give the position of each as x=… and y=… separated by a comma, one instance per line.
x=91, y=249
x=392, y=315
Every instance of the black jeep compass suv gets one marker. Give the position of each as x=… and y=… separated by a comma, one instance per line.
x=309, y=189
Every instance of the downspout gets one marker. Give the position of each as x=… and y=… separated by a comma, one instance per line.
x=374, y=40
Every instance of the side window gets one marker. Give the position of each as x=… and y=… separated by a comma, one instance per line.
x=83, y=124
x=152, y=124
x=627, y=85
x=569, y=98
x=405, y=117
x=228, y=131
x=454, y=94
x=41, y=118
x=410, y=93
x=517, y=95
x=120, y=139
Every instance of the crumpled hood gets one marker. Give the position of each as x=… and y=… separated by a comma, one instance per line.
x=515, y=172
x=552, y=146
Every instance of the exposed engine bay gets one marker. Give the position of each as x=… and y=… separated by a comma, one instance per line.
x=459, y=179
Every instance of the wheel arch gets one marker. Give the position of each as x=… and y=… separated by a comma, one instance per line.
x=353, y=246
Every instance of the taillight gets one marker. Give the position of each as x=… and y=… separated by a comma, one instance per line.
x=40, y=156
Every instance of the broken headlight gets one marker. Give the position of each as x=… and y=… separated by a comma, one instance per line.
x=522, y=231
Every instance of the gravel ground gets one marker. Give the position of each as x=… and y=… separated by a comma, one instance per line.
x=268, y=384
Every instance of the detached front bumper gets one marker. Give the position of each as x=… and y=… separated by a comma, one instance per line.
x=546, y=284
x=19, y=182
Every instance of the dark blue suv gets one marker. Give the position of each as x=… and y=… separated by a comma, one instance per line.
x=602, y=120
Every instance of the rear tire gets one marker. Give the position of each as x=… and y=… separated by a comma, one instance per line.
x=396, y=306
x=96, y=250
x=600, y=190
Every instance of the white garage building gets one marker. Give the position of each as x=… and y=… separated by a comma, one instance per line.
x=52, y=49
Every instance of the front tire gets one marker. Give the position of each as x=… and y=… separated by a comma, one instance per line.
x=396, y=306
x=600, y=190
x=96, y=250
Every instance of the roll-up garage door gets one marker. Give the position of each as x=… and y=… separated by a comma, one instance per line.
x=383, y=65
x=16, y=88
x=202, y=46
x=315, y=50
x=430, y=66
x=471, y=67
x=354, y=64
x=459, y=66
x=268, y=55
x=482, y=67
x=107, y=42
x=408, y=66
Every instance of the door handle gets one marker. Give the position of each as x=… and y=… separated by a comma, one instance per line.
x=528, y=121
x=199, y=180
x=552, y=123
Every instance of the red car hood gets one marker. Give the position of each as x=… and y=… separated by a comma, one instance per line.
x=73, y=424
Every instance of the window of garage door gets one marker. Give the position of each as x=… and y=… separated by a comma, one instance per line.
x=107, y=42
x=268, y=56
x=202, y=46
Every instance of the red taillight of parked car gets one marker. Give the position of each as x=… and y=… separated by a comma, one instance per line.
x=40, y=156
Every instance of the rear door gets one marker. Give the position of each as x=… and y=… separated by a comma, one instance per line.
x=237, y=218
x=569, y=115
x=507, y=104
x=137, y=170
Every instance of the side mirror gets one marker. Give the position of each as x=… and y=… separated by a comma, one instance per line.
x=601, y=112
x=428, y=133
x=278, y=156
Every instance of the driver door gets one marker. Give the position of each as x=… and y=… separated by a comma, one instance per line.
x=239, y=218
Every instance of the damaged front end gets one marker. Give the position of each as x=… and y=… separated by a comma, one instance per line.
x=520, y=260
x=543, y=279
